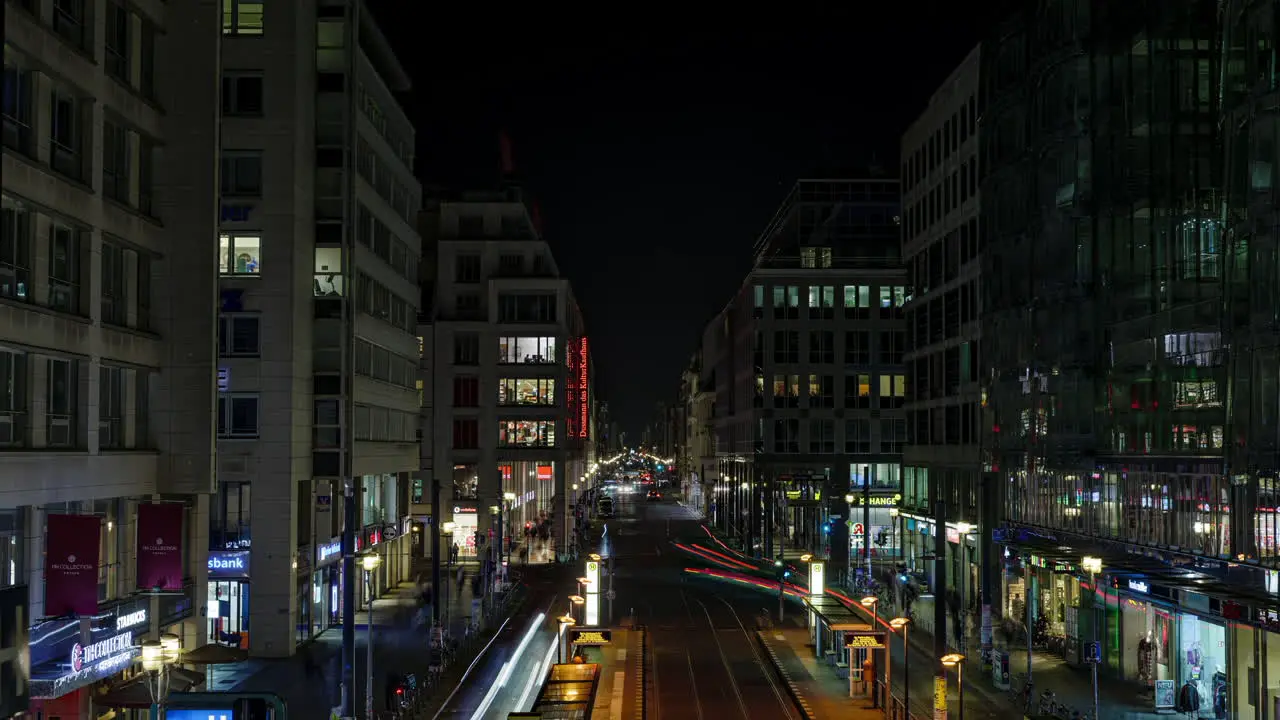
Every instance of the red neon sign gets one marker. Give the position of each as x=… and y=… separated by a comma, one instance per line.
x=584, y=408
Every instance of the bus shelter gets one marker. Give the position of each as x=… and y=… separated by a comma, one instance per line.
x=829, y=620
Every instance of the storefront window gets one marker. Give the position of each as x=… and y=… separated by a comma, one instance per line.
x=1147, y=631
x=229, y=612
x=12, y=565
x=1203, y=658
x=526, y=433
x=466, y=482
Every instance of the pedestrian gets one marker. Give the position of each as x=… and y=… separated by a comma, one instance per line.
x=310, y=664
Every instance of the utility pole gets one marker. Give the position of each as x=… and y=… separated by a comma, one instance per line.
x=939, y=600
x=350, y=519
x=866, y=522
x=436, y=589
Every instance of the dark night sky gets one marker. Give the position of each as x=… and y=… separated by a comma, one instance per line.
x=659, y=152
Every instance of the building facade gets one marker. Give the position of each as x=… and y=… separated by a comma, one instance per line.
x=809, y=378
x=317, y=319
x=941, y=246
x=512, y=382
x=108, y=289
x=1130, y=335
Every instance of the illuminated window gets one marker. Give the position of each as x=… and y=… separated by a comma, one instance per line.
x=779, y=386
x=527, y=391
x=526, y=433
x=1196, y=393
x=757, y=296
x=793, y=296
x=864, y=386
x=239, y=254
x=241, y=17
x=527, y=350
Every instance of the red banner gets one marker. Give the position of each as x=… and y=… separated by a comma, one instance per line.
x=160, y=546
x=71, y=564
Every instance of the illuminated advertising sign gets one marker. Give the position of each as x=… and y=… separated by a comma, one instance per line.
x=873, y=501
x=593, y=576
x=817, y=579
x=577, y=400
x=593, y=608
x=176, y=714
x=590, y=637
x=228, y=563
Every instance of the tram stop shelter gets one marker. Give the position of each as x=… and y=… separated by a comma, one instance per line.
x=829, y=620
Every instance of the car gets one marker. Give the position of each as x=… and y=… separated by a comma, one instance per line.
x=654, y=496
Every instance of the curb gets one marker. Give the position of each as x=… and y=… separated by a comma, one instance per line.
x=638, y=667
x=792, y=689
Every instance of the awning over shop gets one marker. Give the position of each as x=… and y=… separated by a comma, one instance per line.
x=135, y=693
x=1220, y=579
x=836, y=615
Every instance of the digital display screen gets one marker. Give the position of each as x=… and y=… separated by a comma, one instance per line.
x=220, y=714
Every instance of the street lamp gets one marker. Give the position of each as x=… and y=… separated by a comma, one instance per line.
x=157, y=657
x=577, y=601
x=1094, y=566
x=956, y=660
x=566, y=621
x=369, y=562
x=902, y=623
x=871, y=602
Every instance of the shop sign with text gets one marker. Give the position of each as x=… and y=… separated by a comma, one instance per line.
x=577, y=389
x=229, y=563
x=587, y=636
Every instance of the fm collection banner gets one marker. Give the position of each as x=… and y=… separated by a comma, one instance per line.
x=160, y=546
x=71, y=564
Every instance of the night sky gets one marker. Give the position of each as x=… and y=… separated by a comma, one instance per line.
x=658, y=152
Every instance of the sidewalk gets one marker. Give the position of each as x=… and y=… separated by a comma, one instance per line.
x=1117, y=699
x=816, y=689
x=310, y=693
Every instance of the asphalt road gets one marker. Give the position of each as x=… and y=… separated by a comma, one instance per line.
x=705, y=662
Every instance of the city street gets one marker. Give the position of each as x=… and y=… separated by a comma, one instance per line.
x=704, y=660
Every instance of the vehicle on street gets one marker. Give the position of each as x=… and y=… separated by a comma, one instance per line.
x=654, y=496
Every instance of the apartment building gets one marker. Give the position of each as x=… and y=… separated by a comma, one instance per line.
x=809, y=376
x=108, y=290
x=511, y=378
x=318, y=258
x=1130, y=331
x=941, y=245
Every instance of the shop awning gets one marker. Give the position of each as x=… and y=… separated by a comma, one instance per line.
x=1226, y=581
x=135, y=693
x=836, y=615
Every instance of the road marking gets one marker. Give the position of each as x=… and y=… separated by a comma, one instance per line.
x=622, y=655
x=615, y=704
x=780, y=636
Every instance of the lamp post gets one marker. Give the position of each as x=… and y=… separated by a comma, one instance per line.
x=508, y=502
x=577, y=602
x=566, y=621
x=870, y=602
x=782, y=578
x=369, y=562
x=901, y=623
x=956, y=660
x=849, y=499
x=1094, y=566
x=157, y=657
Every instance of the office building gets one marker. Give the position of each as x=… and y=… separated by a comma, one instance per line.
x=108, y=290
x=319, y=250
x=807, y=361
x=512, y=381
x=1129, y=272
x=941, y=244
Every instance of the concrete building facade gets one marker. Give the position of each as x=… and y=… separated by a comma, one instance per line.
x=809, y=376
x=511, y=383
x=318, y=256
x=942, y=246
x=108, y=288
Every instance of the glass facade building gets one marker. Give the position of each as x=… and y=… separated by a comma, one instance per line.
x=1130, y=324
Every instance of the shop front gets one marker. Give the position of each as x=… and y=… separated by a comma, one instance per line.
x=466, y=524
x=228, y=600
x=874, y=516
x=1171, y=644
x=326, y=586
x=75, y=662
